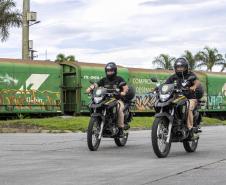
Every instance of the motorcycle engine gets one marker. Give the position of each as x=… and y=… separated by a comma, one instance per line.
x=180, y=133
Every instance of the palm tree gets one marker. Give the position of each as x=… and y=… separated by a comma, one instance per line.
x=224, y=66
x=192, y=59
x=164, y=61
x=70, y=58
x=62, y=58
x=9, y=17
x=210, y=57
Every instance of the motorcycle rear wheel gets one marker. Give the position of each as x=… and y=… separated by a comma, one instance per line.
x=93, y=132
x=190, y=146
x=121, y=141
x=159, y=136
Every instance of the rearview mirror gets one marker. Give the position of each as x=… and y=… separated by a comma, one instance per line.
x=122, y=84
x=153, y=79
x=91, y=81
x=191, y=78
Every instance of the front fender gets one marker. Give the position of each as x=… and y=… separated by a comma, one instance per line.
x=164, y=114
x=98, y=115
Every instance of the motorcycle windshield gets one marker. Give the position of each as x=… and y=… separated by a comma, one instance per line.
x=166, y=88
x=100, y=92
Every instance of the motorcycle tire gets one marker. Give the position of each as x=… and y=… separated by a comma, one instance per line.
x=93, y=140
x=121, y=141
x=190, y=146
x=160, y=122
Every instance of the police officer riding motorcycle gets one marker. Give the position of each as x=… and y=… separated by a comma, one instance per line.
x=110, y=109
x=177, y=118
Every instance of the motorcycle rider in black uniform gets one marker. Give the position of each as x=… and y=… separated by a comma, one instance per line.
x=112, y=81
x=182, y=72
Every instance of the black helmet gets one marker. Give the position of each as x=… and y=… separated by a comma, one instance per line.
x=183, y=63
x=111, y=66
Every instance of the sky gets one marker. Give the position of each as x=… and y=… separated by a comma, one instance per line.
x=129, y=32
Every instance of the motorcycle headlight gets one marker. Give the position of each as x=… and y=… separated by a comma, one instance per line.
x=164, y=97
x=98, y=92
x=98, y=99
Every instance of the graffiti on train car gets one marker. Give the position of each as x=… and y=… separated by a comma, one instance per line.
x=143, y=90
x=218, y=101
x=7, y=79
x=27, y=96
x=145, y=102
x=141, y=81
x=23, y=99
x=215, y=102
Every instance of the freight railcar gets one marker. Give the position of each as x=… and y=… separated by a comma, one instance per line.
x=52, y=88
x=214, y=85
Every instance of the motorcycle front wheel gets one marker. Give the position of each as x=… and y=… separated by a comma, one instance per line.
x=121, y=141
x=159, y=137
x=93, y=133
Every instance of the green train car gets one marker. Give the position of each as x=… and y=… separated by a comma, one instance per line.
x=216, y=91
x=52, y=88
x=29, y=87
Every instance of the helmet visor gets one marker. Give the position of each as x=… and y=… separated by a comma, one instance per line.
x=180, y=69
x=110, y=71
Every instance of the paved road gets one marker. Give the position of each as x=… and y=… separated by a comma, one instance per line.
x=64, y=159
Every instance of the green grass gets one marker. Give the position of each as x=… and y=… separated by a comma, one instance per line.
x=212, y=121
x=80, y=123
x=142, y=122
x=56, y=123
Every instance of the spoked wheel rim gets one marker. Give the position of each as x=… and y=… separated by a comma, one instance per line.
x=162, y=133
x=95, y=133
x=159, y=135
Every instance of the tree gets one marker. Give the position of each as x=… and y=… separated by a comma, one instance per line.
x=224, y=66
x=164, y=61
x=192, y=59
x=9, y=17
x=209, y=57
x=62, y=58
x=70, y=58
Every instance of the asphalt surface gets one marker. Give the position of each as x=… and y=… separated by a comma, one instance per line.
x=64, y=159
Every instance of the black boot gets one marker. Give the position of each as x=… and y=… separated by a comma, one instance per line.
x=192, y=134
x=120, y=132
x=127, y=127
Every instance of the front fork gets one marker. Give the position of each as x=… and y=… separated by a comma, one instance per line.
x=170, y=127
x=102, y=125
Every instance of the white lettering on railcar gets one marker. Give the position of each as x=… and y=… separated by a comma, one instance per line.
x=86, y=77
